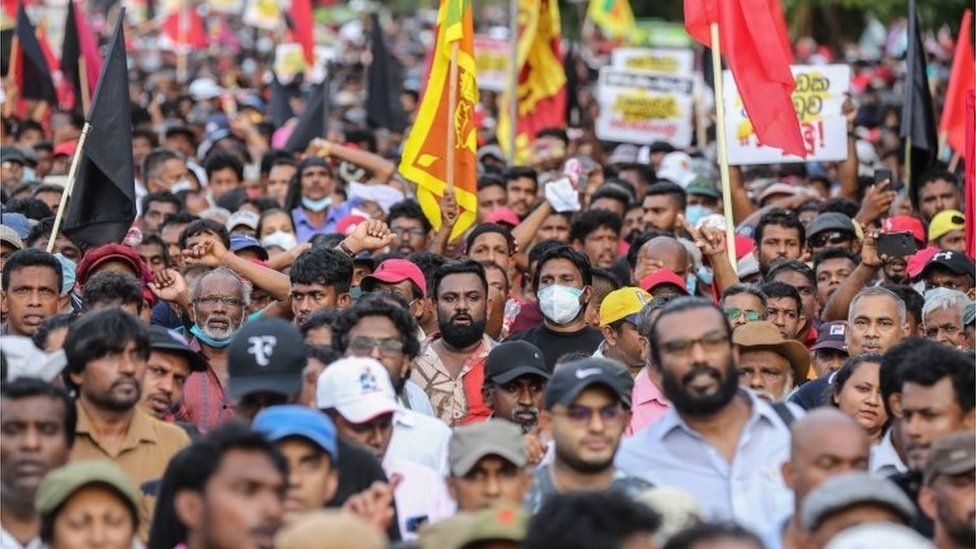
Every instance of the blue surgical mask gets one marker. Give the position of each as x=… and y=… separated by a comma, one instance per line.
x=705, y=274
x=692, y=282
x=316, y=205
x=209, y=341
x=355, y=292
x=696, y=212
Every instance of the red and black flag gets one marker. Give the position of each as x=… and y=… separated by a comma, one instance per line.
x=31, y=71
x=383, y=106
x=79, y=48
x=917, y=112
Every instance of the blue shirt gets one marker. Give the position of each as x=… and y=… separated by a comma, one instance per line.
x=305, y=229
x=750, y=490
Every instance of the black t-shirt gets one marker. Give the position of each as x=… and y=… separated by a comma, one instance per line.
x=813, y=393
x=556, y=344
x=358, y=469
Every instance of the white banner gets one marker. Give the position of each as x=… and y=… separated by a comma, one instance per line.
x=491, y=59
x=676, y=61
x=818, y=98
x=642, y=107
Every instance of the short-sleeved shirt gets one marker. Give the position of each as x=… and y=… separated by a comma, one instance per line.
x=648, y=404
x=543, y=487
x=305, y=229
x=456, y=401
x=205, y=404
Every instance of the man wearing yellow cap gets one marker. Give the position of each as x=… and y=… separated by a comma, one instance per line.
x=947, y=230
x=622, y=342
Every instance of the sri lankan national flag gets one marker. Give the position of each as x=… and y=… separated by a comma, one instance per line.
x=425, y=151
x=614, y=17
x=541, y=78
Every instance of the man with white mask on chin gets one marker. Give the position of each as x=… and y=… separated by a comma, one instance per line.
x=563, y=282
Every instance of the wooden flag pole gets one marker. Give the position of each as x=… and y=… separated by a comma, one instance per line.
x=83, y=80
x=14, y=53
x=723, y=158
x=452, y=82
x=69, y=186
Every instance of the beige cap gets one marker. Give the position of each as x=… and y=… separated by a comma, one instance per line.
x=330, y=529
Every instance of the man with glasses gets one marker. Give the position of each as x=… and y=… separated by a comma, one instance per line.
x=832, y=230
x=411, y=226
x=720, y=443
x=743, y=303
x=587, y=410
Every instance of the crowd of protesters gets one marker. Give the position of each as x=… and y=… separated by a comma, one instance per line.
x=283, y=351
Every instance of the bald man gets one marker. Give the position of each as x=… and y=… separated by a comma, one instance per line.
x=825, y=443
x=662, y=252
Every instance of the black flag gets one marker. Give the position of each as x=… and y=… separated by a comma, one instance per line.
x=35, y=76
x=70, y=52
x=383, y=106
x=917, y=113
x=279, y=108
x=102, y=205
x=312, y=123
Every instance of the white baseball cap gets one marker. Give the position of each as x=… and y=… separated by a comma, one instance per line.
x=676, y=166
x=358, y=388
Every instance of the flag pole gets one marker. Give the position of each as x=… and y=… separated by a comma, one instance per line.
x=69, y=186
x=908, y=165
x=14, y=52
x=83, y=80
x=451, y=108
x=723, y=159
x=512, y=78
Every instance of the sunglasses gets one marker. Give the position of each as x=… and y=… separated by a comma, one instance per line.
x=751, y=316
x=832, y=238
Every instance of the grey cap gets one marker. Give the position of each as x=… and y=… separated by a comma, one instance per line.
x=830, y=221
x=969, y=314
x=840, y=492
x=493, y=437
x=10, y=236
x=952, y=455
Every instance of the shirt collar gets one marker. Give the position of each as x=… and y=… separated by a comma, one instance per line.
x=760, y=410
x=646, y=392
x=141, y=428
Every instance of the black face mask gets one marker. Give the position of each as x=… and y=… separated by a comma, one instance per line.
x=701, y=405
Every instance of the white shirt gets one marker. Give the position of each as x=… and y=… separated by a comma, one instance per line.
x=420, y=439
x=8, y=541
x=750, y=490
x=414, y=398
x=421, y=497
x=884, y=459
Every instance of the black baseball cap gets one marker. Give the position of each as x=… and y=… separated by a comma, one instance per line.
x=161, y=339
x=954, y=262
x=266, y=355
x=513, y=359
x=571, y=379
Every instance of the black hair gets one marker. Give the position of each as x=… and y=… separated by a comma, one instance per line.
x=682, y=304
x=647, y=315
x=613, y=192
x=178, y=218
x=376, y=305
x=891, y=363
x=518, y=172
x=540, y=248
x=193, y=467
x=201, y=226
x=914, y=301
x=111, y=288
x=222, y=160
x=775, y=289
x=780, y=218
x=31, y=257
x=615, y=283
x=556, y=133
x=592, y=220
x=840, y=205
x=87, y=341
x=160, y=196
x=276, y=157
x=490, y=228
x=409, y=209
x=669, y=188
x=793, y=265
x=839, y=379
x=589, y=520
x=744, y=288
x=699, y=534
x=293, y=197
x=489, y=264
x=935, y=175
x=150, y=238
x=273, y=211
x=832, y=253
x=32, y=208
x=578, y=259
x=428, y=262
x=26, y=387
x=491, y=180
x=50, y=324
x=28, y=125
x=644, y=172
x=634, y=252
x=458, y=267
x=148, y=135
x=930, y=362
x=155, y=160
x=322, y=318
x=324, y=266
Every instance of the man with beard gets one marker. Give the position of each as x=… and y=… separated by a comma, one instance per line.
x=37, y=420
x=948, y=495
x=378, y=327
x=596, y=233
x=515, y=378
x=450, y=367
x=219, y=299
x=587, y=410
x=563, y=283
x=170, y=363
x=107, y=352
x=699, y=445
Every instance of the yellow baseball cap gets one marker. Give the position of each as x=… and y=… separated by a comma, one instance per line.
x=945, y=221
x=624, y=303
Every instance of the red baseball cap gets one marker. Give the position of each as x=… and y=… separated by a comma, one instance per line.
x=504, y=215
x=905, y=224
x=347, y=224
x=663, y=276
x=67, y=148
x=392, y=271
x=107, y=252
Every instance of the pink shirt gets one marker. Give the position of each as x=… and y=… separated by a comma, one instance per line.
x=648, y=404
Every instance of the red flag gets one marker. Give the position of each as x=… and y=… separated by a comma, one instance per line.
x=196, y=34
x=752, y=36
x=301, y=21
x=962, y=79
x=969, y=153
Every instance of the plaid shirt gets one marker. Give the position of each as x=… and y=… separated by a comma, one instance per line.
x=205, y=404
x=455, y=401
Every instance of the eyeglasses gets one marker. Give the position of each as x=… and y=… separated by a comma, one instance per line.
x=712, y=341
x=751, y=316
x=213, y=300
x=582, y=415
x=363, y=346
x=834, y=238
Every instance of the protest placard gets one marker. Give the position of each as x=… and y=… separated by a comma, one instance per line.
x=643, y=107
x=818, y=99
x=491, y=58
x=677, y=61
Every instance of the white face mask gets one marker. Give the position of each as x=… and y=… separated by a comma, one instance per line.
x=181, y=185
x=560, y=304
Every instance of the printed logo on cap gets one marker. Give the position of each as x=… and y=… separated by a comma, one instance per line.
x=837, y=329
x=587, y=372
x=367, y=382
x=262, y=347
